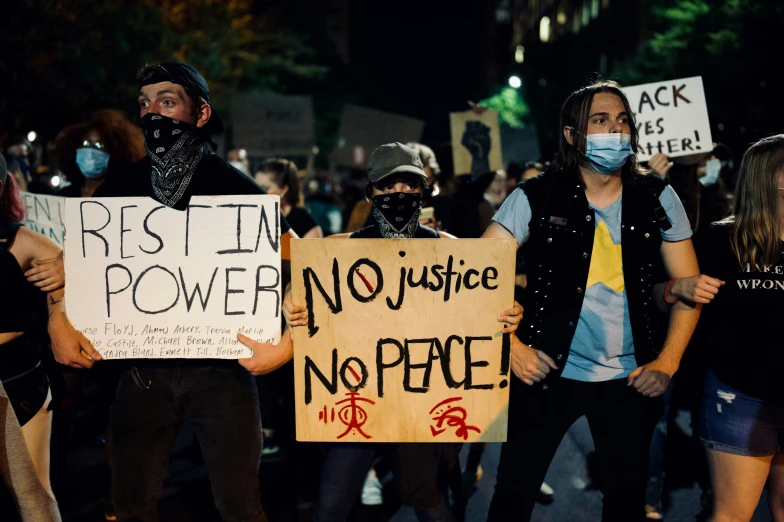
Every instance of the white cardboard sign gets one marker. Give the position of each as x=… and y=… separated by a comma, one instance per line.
x=45, y=215
x=147, y=281
x=672, y=117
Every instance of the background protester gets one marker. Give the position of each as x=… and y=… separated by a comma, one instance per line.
x=88, y=152
x=238, y=158
x=276, y=390
x=19, y=161
x=700, y=183
x=742, y=420
x=21, y=342
x=593, y=354
x=279, y=177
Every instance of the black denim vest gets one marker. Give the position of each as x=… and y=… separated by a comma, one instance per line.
x=558, y=257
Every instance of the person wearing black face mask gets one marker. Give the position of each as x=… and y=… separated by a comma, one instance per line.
x=221, y=398
x=396, y=183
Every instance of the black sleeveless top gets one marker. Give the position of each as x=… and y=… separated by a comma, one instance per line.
x=22, y=309
x=19, y=300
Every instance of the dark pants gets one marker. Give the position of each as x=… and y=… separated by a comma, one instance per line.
x=422, y=470
x=621, y=422
x=221, y=403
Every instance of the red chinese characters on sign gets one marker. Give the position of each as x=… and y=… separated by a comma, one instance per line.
x=448, y=415
x=350, y=413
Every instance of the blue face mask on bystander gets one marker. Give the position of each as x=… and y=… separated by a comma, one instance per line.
x=92, y=162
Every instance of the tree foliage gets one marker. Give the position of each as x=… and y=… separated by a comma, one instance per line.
x=732, y=44
x=512, y=109
x=62, y=59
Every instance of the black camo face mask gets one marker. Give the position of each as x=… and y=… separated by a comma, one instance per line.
x=397, y=214
x=175, y=149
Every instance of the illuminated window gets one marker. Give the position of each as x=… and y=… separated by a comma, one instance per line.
x=586, y=13
x=576, y=23
x=561, y=16
x=605, y=4
x=520, y=54
x=544, y=29
x=594, y=8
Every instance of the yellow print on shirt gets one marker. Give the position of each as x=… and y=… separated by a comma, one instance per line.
x=606, y=260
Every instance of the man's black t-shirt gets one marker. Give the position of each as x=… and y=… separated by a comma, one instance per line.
x=213, y=177
x=744, y=321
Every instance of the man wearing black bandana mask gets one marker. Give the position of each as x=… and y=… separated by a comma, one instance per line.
x=218, y=398
x=396, y=183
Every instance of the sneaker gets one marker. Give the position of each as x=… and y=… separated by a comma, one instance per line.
x=268, y=451
x=372, y=491
x=546, y=494
x=653, y=512
x=108, y=512
x=654, y=495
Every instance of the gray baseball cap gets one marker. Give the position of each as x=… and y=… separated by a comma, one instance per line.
x=3, y=170
x=393, y=158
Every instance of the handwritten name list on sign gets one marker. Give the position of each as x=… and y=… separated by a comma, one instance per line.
x=402, y=342
x=147, y=281
x=45, y=215
x=672, y=117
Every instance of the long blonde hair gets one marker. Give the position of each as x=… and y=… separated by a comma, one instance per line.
x=755, y=231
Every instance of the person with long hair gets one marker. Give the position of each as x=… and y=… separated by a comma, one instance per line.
x=742, y=418
x=597, y=236
x=22, y=374
x=279, y=177
x=87, y=153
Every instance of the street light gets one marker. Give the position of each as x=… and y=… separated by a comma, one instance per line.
x=515, y=82
x=31, y=136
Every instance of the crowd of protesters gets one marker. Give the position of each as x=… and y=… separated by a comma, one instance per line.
x=651, y=287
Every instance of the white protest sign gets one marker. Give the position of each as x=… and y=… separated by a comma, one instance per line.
x=672, y=117
x=147, y=281
x=44, y=214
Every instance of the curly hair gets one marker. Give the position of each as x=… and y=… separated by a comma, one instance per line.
x=123, y=141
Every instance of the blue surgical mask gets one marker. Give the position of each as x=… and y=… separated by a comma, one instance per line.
x=92, y=162
x=712, y=171
x=608, y=152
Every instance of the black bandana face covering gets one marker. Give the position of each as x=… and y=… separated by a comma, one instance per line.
x=175, y=150
x=397, y=214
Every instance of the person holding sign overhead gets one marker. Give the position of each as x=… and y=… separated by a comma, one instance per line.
x=396, y=183
x=218, y=398
x=597, y=236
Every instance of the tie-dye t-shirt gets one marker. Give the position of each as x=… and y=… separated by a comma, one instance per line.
x=602, y=348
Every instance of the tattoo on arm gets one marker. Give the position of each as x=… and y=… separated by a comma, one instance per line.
x=52, y=303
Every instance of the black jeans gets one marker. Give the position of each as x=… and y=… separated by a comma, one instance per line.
x=621, y=422
x=421, y=469
x=221, y=403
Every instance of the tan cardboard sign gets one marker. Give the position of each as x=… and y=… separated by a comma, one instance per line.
x=402, y=342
